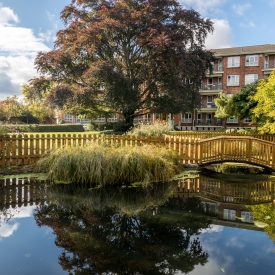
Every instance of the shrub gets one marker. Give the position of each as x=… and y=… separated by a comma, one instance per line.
x=106, y=165
x=157, y=129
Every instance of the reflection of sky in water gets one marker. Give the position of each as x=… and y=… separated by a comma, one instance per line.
x=236, y=251
x=25, y=248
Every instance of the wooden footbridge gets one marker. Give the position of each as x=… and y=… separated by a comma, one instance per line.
x=24, y=149
x=237, y=149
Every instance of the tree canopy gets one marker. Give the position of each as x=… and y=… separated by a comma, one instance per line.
x=264, y=110
x=129, y=56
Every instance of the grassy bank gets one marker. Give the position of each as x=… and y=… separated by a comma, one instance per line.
x=106, y=165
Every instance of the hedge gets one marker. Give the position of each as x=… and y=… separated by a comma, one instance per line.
x=35, y=128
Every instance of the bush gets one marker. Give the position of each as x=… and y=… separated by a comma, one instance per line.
x=106, y=165
x=157, y=129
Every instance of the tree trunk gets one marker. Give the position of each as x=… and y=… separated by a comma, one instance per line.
x=129, y=119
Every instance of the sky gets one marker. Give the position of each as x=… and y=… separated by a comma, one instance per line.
x=29, y=26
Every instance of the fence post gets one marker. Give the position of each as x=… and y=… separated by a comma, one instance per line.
x=249, y=149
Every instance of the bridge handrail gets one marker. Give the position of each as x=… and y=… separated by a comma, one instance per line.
x=236, y=138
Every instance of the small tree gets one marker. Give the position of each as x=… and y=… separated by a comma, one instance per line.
x=264, y=111
x=11, y=107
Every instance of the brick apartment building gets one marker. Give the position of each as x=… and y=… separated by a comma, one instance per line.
x=233, y=68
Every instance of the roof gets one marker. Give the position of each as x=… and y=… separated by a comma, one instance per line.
x=267, y=48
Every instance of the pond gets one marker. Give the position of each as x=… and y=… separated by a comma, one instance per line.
x=196, y=225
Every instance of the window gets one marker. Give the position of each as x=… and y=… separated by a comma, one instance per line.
x=233, y=80
x=112, y=118
x=209, y=83
x=68, y=118
x=232, y=120
x=83, y=120
x=233, y=61
x=251, y=60
x=199, y=119
x=209, y=99
x=219, y=83
x=250, y=78
x=266, y=62
x=208, y=119
x=186, y=118
x=229, y=214
x=247, y=217
x=247, y=120
x=220, y=65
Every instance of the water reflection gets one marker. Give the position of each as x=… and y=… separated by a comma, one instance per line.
x=100, y=236
x=155, y=230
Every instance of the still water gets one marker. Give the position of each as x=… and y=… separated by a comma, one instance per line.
x=197, y=225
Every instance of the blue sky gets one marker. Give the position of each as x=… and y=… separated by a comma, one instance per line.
x=29, y=26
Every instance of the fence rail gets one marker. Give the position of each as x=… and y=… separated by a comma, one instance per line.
x=24, y=150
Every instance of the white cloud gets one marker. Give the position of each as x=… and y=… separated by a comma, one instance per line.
x=222, y=36
x=14, y=71
x=18, y=49
x=248, y=25
x=240, y=9
x=6, y=230
x=234, y=242
x=6, y=15
x=204, y=7
x=16, y=40
x=213, y=229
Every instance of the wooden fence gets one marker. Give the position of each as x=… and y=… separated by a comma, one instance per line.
x=23, y=150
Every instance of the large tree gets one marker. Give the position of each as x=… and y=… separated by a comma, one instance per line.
x=130, y=56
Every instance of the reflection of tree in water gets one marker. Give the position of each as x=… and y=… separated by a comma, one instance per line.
x=265, y=214
x=99, y=238
x=5, y=214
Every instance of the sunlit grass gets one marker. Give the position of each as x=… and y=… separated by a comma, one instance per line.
x=156, y=129
x=106, y=165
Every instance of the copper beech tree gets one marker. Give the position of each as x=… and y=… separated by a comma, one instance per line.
x=129, y=56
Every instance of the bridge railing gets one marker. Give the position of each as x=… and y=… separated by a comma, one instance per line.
x=239, y=149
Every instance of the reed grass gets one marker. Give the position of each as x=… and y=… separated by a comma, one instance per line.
x=102, y=164
x=156, y=129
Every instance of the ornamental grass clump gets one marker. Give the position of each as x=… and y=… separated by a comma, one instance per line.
x=105, y=165
x=156, y=129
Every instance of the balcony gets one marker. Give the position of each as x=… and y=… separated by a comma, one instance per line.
x=212, y=87
x=208, y=122
x=269, y=66
x=217, y=70
x=186, y=120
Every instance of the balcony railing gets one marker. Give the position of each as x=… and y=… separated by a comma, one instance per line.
x=209, y=105
x=217, y=68
x=269, y=65
x=186, y=120
x=206, y=122
x=212, y=87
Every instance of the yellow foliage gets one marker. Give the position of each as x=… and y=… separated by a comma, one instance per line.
x=265, y=109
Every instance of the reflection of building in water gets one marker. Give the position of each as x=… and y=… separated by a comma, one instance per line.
x=227, y=200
